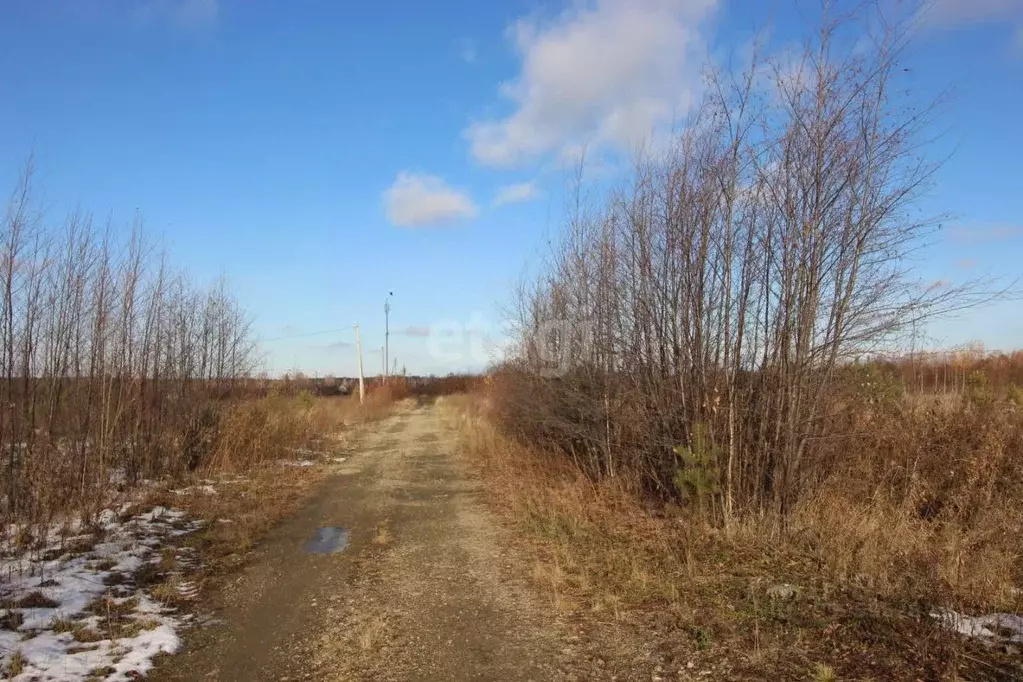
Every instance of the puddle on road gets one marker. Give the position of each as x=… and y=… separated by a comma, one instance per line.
x=328, y=540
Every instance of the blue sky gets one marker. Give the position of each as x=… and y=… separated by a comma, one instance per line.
x=322, y=154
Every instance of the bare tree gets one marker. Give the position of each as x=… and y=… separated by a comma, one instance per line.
x=106, y=358
x=706, y=307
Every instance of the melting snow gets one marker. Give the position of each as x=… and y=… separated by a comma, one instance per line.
x=70, y=580
x=196, y=490
x=305, y=452
x=297, y=462
x=993, y=627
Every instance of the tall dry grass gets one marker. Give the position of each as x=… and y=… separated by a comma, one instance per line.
x=913, y=495
x=251, y=432
x=923, y=493
x=921, y=509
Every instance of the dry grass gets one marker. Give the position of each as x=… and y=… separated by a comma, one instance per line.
x=36, y=600
x=372, y=634
x=16, y=664
x=86, y=635
x=382, y=537
x=253, y=491
x=253, y=432
x=867, y=568
x=11, y=620
x=59, y=625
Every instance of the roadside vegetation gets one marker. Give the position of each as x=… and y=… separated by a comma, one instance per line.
x=914, y=529
x=713, y=427
x=117, y=373
x=140, y=460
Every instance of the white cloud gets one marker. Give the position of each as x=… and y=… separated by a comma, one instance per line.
x=604, y=73
x=467, y=51
x=990, y=232
x=419, y=199
x=514, y=194
x=418, y=331
x=959, y=12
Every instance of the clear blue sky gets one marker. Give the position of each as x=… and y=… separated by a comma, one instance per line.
x=321, y=154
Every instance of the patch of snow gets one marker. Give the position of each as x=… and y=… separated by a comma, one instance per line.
x=71, y=580
x=338, y=460
x=993, y=627
x=297, y=463
x=305, y=452
x=205, y=489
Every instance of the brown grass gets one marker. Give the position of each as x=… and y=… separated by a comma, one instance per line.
x=372, y=634
x=868, y=565
x=37, y=600
x=86, y=635
x=16, y=665
x=252, y=432
x=59, y=625
x=383, y=537
x=11, y=620
x=254, y=491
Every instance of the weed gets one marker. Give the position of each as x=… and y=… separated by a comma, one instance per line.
x=86, y=635
x=147, y=574
x=11, y=620
x=101, y=674
x=823, y=673
x=108, y=607
x=105, y=564
x=372, y=634
x=115, y=578
x=382, y=537
x=59, y=625
x=37, y=600
x=16, y=666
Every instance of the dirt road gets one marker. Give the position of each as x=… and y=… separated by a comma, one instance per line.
x=427, y=588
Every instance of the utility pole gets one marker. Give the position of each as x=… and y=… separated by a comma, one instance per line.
x=383, y=363
x=358, y=348
x=387, y=330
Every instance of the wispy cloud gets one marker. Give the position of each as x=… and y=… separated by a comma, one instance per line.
x=965, y=234
x=330, y=346
x=608, y=73
x=515, y=194
x=951, y=14
x=467, y=50
x=416, y=200
x=415, y=330
x=966, y=264
x=948, y=13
